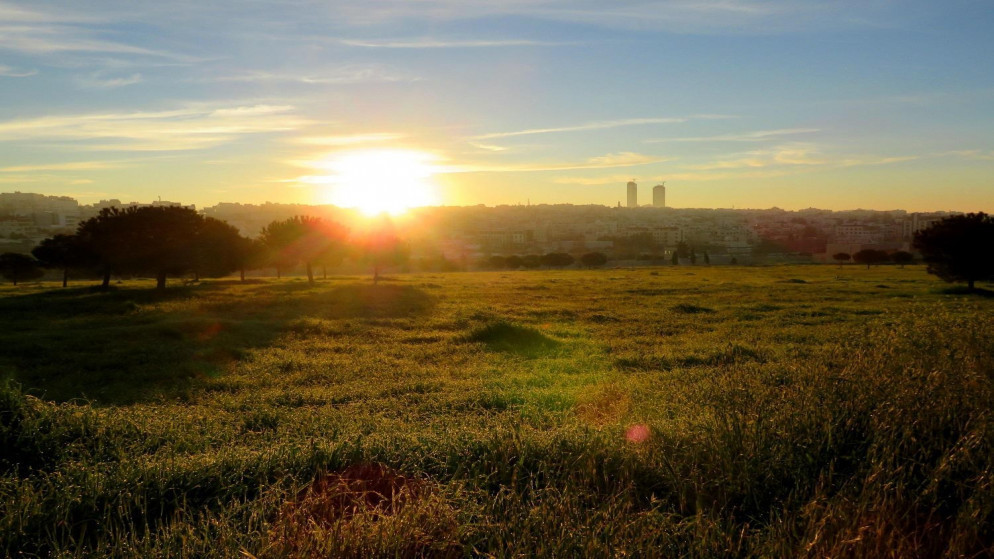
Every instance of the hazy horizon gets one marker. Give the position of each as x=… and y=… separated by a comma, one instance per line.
x=388, y=105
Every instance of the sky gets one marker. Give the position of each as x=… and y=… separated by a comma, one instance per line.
x=749, y=104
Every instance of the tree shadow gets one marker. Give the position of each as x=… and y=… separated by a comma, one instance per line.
x=963, y=290
x=121, y=346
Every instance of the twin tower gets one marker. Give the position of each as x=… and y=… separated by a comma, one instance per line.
x=658, y=195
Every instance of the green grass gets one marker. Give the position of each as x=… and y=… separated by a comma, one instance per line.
x=790, y=411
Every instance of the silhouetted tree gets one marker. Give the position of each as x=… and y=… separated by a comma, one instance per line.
x=683, y=250
x=514, y=262
x=380, y=246
x=593, y=259
x=675, y=259
x=693, y=257
x=869, y=257
x=108, y=238
x=306, y=239
x=557, y=259
x=959, y=248
x=64, y=252
x=707, y=258
x=159, y=241
x=734, y=261
x=902, y=257
x=220, y=249
x=841, y=258
x=531, y=261
x=496, y=261
x=19, y=267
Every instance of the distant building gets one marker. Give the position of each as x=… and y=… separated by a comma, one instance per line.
x=633, y=194
x=659, y=196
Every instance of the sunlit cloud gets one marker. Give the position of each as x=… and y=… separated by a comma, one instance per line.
x=181, y=129
x=599, y=125
x=72, y=166
x=348, y=140
x=624, y=159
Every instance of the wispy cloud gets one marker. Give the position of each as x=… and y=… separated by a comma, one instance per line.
x=598, y=125
x=611, y=160
x=71, y=166
x=349, y=74
x=756, y=136
x=780, y=161
x=8, y=72
x=970, y=154
x=431, y=43
x=98, y=81
x=180, y=129
x=348, y=140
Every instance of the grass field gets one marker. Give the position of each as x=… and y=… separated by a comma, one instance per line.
x=680, y=411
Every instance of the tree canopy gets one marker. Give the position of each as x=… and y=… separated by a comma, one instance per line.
x=959, y=248
x=19, y=267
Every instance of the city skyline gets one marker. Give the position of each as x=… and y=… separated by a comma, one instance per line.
x=734, y=104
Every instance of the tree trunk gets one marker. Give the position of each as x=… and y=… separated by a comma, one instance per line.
x=376, y=274
x=160, y=281
x=15, y=281
x=196, y=275
x=324, y=272
x=310, y=273
x=65, y=277
x=241, y=274
x=106, y=282
x=278, y=272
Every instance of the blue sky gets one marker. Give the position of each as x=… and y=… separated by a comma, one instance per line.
x=873, y=104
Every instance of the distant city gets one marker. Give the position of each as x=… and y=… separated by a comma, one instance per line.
x=468, y=234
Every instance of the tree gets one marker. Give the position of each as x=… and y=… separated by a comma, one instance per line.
x=959, y=248
x=306, y=239
x=19, y=267
x=159, y=241
x=514, y=262
x=902, y=257
x=707, y=258
x=380, y=246
x=869, y=257
x=693, y=257
x=735, y=261
x=675, y=260
x=220, y=249
x=593, y=259
x=557, y=260
x=64, y=252
x=105, y=236
x=841, y=258
x=531, y=261
x=497, y=262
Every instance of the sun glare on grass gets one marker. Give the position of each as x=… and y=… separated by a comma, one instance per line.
x=380, y=181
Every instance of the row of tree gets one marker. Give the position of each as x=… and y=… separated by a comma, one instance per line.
x=872, y=257
x=172, y=241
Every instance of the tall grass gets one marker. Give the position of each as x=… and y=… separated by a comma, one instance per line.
x=400, y=429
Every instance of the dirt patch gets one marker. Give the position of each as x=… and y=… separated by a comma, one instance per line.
x=366, y=510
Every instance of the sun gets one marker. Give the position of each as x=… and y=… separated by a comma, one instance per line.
x=379, y=181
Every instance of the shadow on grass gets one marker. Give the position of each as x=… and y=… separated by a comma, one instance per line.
x=122, y=346
x=964, y=290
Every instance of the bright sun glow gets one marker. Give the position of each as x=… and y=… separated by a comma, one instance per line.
x=382, y=180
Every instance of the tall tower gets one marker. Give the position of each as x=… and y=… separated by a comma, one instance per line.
x=659, y=195
x=633, y=194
